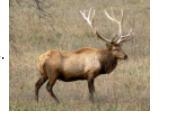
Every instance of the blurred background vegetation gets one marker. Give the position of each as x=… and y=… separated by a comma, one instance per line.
x=39, y=25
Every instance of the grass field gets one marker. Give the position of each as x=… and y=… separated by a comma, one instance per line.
x=33, y=32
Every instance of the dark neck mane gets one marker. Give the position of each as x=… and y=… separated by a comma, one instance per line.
x=108, y=61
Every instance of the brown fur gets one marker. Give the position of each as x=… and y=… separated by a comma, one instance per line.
x=82, y=64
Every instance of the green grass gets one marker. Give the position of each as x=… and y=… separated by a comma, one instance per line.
x=126, y=88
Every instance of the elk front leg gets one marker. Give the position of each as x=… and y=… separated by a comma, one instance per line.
x=91, y=89
x=49, y=88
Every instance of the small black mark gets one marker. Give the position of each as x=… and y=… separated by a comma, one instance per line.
x=2, y=57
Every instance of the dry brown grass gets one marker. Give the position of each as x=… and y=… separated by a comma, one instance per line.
x=127, y=88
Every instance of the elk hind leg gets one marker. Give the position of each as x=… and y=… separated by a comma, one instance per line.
x=38, y=85
x=49, y=88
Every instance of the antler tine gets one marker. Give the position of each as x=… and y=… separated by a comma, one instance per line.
x=122, y=18
x=125, y=37
x=122, y=14
x=112, y=18
x=89, y=12
x=120, y=37
x=86, y=18
x=89, y=19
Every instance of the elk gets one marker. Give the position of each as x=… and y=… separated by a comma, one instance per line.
x=85, y=63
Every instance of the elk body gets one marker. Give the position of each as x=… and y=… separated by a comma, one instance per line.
x=83, y=64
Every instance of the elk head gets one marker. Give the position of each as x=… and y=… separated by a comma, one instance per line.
x=115, y=44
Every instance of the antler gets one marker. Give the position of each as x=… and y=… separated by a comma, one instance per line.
x=121, y=37
x=89, y=19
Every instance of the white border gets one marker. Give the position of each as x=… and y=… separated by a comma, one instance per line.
x=4, y=51
x=165, y=56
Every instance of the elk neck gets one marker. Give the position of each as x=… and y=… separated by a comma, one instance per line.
x=108, y=61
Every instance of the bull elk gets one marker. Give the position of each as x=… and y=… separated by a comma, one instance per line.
x=85, y=63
